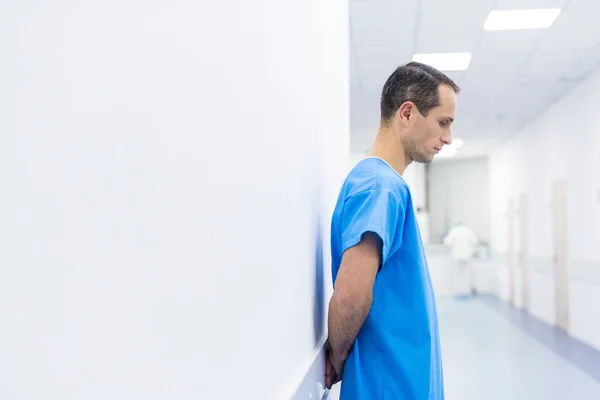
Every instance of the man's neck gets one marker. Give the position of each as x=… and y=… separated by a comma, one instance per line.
x=389, y=147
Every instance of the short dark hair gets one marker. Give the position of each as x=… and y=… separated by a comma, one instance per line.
x=414, y=82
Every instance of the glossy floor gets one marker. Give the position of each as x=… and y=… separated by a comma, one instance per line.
x=491, y=352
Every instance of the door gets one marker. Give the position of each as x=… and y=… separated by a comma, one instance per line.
x=511, y=252
x=523, y=254
x=559, y=210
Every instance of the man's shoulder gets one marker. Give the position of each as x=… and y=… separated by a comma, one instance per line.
x=374, y=174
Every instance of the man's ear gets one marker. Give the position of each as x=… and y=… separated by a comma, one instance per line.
x=405, y=112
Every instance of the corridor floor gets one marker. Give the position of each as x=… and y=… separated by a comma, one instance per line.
x=488, y=356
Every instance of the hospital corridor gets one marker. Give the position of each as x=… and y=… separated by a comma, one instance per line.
x=300, y=200
x=493, y=352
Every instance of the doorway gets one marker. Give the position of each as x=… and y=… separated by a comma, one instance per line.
x=559, y=211
x=511, y=252
x=523, y=253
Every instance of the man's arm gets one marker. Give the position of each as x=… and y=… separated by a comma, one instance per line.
x=352, y=298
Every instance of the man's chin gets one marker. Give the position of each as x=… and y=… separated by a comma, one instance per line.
x=424, y=159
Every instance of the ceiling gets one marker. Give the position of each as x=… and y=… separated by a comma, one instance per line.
x=513, y=75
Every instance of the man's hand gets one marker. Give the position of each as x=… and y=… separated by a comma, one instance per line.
x=333, y=368
x=351, y=302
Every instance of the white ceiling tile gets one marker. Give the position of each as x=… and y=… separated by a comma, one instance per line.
x=382, y=23
x=557, y=90
x=542, y=67
x=449, y=21
x=583, y=5
x=495, y=67
x=381, y=43
x=581, y=69
x=528, y=4
x=500, y=43
x=575, y=26
x=564, y=48
x=455, y=7
x=535, y=83
x=455, y=40
x=405, y=9
x=382, y=49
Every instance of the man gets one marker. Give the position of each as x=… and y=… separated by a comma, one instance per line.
x=462, y=241
x=383, y=334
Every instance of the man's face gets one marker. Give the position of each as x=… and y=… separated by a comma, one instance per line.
x=427, y=135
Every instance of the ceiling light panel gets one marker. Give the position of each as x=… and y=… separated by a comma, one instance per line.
x=457, y=143
x=447, y=152
x=504, y=20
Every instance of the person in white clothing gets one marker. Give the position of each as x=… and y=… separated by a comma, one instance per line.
x=462, y=241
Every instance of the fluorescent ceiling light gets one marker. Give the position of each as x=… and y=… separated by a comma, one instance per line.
x=457, y=143
x=445, y=61
x=504, y=20
x=446, y=152
x=450, y=150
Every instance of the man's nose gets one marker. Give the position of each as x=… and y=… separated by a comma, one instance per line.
x=447, y=138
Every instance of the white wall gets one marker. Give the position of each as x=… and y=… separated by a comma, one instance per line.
x=415, y=178
x=355, y=158
x=459, y=192
x=163, y=166
x=560, y=144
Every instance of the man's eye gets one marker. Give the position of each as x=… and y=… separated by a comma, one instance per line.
x=444, y=123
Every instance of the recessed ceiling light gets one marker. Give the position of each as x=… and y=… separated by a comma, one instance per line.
x=504, y=20
x=446, y=152
x=445, y=61
x=457, y=143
